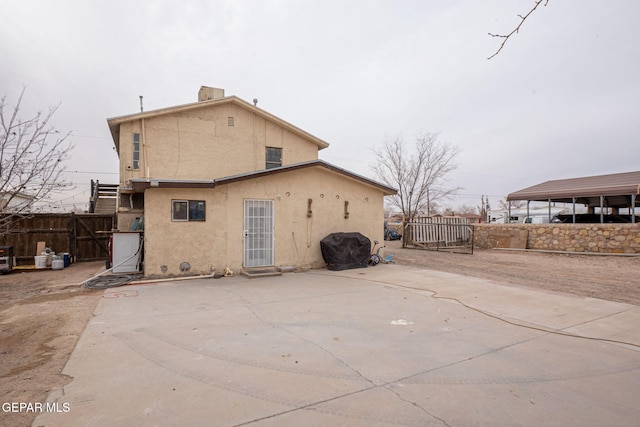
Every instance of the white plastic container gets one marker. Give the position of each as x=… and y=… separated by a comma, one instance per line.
x=57, y=264
x=40, y=261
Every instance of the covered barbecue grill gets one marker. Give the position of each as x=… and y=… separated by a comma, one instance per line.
x=344, y=251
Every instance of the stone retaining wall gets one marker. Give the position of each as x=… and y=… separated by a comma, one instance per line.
x=602, y=238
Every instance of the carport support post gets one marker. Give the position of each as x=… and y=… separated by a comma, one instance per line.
x=549, y=200
x=633, y=208
x=508, y=221
x=528, y=201
x=601, y=209
x=573, y=200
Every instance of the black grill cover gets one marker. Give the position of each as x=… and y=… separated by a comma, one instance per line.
x=343, y=251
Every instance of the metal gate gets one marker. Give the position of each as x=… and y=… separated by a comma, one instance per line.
x=439, y=233
x=258, y=233
x=81, y=235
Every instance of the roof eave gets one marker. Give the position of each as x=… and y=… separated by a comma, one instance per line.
x=139, y=185
x=556, y=196
x=387, y=191
x=621, y=184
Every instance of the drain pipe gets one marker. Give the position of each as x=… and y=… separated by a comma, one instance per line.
x=171, y=279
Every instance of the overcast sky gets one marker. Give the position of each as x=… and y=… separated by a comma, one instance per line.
x=561, y=100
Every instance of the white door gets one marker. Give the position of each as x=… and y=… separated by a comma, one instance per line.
x=258, y=233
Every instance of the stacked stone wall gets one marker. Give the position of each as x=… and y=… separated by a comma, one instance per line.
x=593, y=238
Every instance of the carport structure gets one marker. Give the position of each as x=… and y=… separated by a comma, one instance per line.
x=616, y=191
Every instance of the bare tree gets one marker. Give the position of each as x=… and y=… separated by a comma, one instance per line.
x=31, y=160
x=465, y=210
x=515, y=204
x=420, y=174
x=448, y=211
x=523, y=18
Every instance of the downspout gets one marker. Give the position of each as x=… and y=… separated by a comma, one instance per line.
x=144, y=148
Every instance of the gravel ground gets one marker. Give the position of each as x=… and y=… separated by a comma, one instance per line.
x=609, y=277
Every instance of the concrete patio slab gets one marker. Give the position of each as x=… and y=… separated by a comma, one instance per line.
x=389, y=345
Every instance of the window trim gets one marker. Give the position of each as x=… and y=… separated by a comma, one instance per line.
x=135, y=162
x=189, y=204
x=270, y=164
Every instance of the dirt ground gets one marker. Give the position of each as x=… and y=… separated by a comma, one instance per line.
x=608, y=277
x=43, y=313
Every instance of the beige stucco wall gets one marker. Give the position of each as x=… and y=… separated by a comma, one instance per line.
x=199, y=144
x=218, y=241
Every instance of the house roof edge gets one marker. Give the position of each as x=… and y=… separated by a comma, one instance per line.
x=141, y=184
x=115, y=122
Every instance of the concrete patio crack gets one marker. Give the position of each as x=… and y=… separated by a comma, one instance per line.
x=415, y=404
x=329, y=352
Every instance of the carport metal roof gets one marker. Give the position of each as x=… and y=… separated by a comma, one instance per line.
x=615, y=190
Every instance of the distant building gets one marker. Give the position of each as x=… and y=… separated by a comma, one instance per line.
x=396, y=218
x=534, y=215
x=471, y=218
x=15, y=202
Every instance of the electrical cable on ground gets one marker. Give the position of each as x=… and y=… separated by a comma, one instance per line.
x=434, y=295
x=102, y=281
x=535, y=328
x=110, y=281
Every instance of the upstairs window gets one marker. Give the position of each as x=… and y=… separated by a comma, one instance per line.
x=188, y=210
x=136, y=151
x=274, y=157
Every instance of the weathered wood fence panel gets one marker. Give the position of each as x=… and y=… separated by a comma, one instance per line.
x=77, y=234
x=439, y=233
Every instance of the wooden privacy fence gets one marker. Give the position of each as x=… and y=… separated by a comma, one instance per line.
x=81, y=235
x=439, y=233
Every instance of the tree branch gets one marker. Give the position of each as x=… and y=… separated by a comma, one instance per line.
x=420, y=174
x=32, y=154
x=515, y=30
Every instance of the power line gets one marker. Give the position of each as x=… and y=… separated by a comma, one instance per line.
x=72, y=196
x=88, y=172
x=91, y=136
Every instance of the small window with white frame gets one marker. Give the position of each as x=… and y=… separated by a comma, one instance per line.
x=188, y=210
x=136, y=151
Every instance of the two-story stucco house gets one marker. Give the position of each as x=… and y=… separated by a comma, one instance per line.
x=222, y=183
